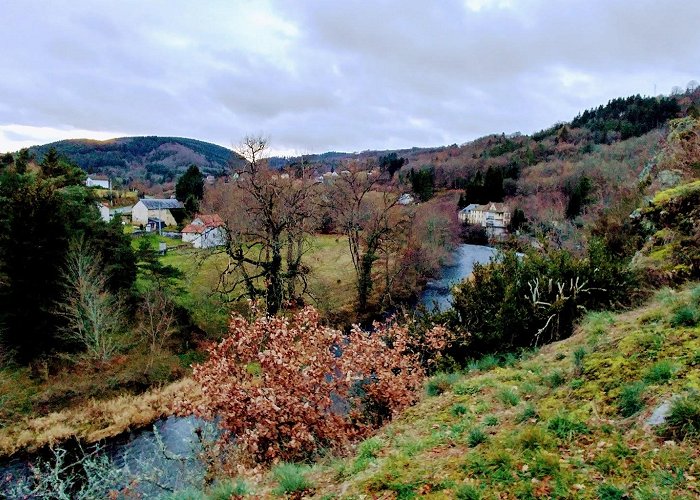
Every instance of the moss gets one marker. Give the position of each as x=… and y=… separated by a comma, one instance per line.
x=556, y=439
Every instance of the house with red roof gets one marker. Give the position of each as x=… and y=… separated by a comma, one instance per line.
x=205, y=231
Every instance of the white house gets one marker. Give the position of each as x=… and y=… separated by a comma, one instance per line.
x=104, y=211
x=406, y=199
x=495, y=217
x=205, y=231
x=152, y=208
x=97, y=180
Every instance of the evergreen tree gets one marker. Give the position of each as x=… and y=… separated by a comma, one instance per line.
x=493, y=185
x=579, y=196
x=38, y=219
x=22, y=161
x=422, y=183
x=190, y=189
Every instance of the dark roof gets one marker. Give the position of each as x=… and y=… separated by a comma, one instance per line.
x=98, y=177
x=154, y=204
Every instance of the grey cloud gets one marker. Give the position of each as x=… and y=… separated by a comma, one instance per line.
x=346, y=75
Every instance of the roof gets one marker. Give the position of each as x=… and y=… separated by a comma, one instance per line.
x=98, y=177
x=495, y=207
x=470, y=207
x=203, y=222
x=156, y=204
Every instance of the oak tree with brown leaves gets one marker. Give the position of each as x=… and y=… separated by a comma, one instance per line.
x=284, y=388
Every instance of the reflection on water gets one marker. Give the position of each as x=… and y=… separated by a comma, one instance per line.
x=167, y=454
x=438, y=293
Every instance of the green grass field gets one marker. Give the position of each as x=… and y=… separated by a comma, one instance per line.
x=330, y=282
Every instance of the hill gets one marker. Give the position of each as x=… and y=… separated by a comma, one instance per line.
x=612, y=412
x=155, y=159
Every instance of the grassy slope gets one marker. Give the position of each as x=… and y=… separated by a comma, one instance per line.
x=550, y=426
x=95, y=403
x=331, y=281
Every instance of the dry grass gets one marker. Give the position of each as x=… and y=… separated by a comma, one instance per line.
x=95, y=420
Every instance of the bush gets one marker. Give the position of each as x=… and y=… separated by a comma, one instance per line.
x=555, y=379
x=284, y=407
x=509, y=397
x=610, y=492
x=458, y=409
x=528, y=413
x=684, y=417
x=660, y=372
x=565, y=427
x=476, y=436
x=468, y=492
x=230, y=489
x=630, y=400
x=517, y=302
x=687, y=315
x=291, y=478
x=491, y=420
x=440, y=383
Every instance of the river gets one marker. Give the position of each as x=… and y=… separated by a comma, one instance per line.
x=168, y=449
x=438, y=293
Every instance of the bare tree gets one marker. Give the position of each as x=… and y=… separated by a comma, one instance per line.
x=268, y=215
x=156, y=320
x=368, y=215
x=93, y=316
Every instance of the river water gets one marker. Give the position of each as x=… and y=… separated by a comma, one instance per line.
x=168, y=449
x=437, y=293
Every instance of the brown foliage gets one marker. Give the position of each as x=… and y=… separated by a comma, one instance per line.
x=284, y=388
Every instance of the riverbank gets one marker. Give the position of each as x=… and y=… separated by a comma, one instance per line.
x=95, y=420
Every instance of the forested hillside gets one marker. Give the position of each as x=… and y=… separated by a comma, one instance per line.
x=153, y=159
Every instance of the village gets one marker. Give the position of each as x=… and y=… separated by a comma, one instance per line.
x=164, y=215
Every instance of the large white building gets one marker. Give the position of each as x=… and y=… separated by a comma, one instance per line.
x=97, y=180
x=151, y=208
x=495, y=217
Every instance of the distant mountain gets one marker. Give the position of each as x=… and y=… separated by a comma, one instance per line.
x=156, y=159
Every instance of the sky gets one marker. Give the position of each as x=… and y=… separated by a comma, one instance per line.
x=316, y=76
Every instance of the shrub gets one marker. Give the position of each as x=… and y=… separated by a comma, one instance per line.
x=579, y=356
x=545, y=464
x=565, y=427
x=476, y=436
x=555, y=379
x=684, y=417
x=533, y=438
x=467, y=492
x=369, y=448
x=630, y=400
x=366, y=452
x=458, y=409
x=228, y=490
x=440, y=383
x=528, y=413
x=687, y=315
x=467, y=389
x=659, y=372
x=491, y=420
x=508, y=397
x=284, y=409
x=610, y=492
x=291, y=478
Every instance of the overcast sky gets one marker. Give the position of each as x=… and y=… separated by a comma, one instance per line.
x=338, y=75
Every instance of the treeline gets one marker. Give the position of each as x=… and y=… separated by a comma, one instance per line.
x=67, y=278
x=136, y=157
x=628, y=116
